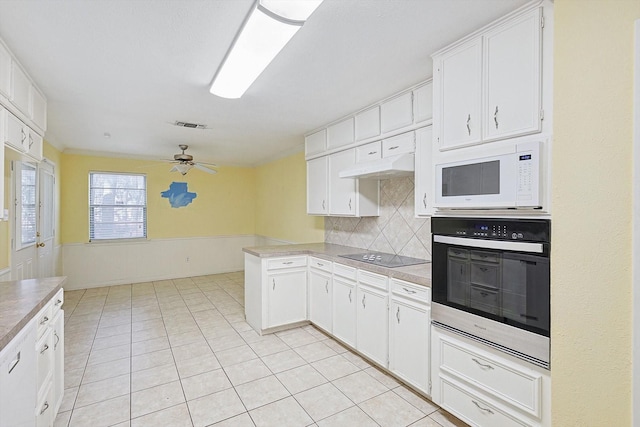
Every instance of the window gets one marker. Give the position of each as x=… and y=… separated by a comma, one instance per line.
x=117, y=206
x=27, y=207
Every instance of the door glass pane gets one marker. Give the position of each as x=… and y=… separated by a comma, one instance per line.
x=28, y=202
x=47, y=205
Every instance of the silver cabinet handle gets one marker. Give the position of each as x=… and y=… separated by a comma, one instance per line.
x=45, y=348
x=469, y=127
x=24, y=135
x=323, y=204
x=495, y=117
x=398, y=315
x=44, y=408
x=393, y=148
x=363, y=304
x=30, y=141
x=320, y=264
x=13, y=364
x=487, y=410
x=44, y=320
x=484, y=365
x=274, y=284
x=424, y=200
x=409, y=291
x=59, y=302
x=287, y=263
x=372, y=152
x=349, y=204
x=350, y=295
x=55, y=334
x=326, y=286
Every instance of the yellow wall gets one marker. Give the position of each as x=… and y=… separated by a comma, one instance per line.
x=224, y=205
x=281, y=202
x=591, y=228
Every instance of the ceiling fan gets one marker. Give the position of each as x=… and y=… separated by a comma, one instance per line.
x=184, y=162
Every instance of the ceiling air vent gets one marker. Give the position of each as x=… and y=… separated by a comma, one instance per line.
x=190, y=125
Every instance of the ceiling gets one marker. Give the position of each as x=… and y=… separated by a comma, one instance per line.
x=133, y=68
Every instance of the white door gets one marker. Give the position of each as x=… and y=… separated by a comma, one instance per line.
x=46, y=220
x=33, y=220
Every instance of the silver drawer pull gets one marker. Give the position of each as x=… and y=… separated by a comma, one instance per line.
x=409, y=291
x=44, y=320
x=326, y=286
x=288, y=262
x=45, y=348
x=13, y=364
x=484, y=365
x=320, y=264
x=398, y=315
x=44, y=408
x=363, y=302
x=372, y=152
x=59, y=302
x=487, y=410
x=349, y=295
x=393, y=148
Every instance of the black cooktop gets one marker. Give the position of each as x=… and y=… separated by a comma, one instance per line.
x=385, y=260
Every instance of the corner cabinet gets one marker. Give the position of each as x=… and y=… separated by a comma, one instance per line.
x=488, y=86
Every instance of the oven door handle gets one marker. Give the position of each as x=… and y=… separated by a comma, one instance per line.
x=491, y=244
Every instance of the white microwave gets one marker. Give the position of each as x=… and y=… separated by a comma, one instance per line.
x=509, y=179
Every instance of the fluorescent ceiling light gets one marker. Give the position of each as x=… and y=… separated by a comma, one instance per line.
x=269, y=27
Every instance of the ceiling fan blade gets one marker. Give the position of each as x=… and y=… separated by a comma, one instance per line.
x=208, y=164
x=204, y=168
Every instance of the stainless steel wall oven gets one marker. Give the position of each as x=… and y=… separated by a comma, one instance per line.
x=490, y=281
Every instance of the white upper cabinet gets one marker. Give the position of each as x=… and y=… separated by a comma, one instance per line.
x=424, y=173
x=340, y=134
x=399, y=144
x=489, y=86
x=20, y=88
x=5, y=71
x=423, y=103
x=317, y=186
x=347, y=196
x=316, y=142
x=512, y=78
x=458, y=73
x=396, y=113
x=368, y=123
x=38, y=112
x=15, y=133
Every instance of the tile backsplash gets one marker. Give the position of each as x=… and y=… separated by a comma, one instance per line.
x=396, y=230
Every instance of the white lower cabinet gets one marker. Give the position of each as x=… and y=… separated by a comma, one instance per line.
x=286, y=297
x=320, y=293
x=344, y=304
x=58, y=359
x=485, y=387
x=18, y=379
x=409, y=324
x=372, y=317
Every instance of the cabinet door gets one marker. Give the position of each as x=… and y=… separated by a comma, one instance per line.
x=372, y=324
x=424, y=173
x=15, y=135
x=5, y=71
x=317, y=184
x=409, y=342
x=396, y=113
x=342, y=191
x=287, y=297
x=320, y=290
x=316, y=142
x=34, y=145
x=460, y=91
x=512, y=77
x=20, y=87
x=340, y=134
x=44, y=349
x=38, y=108
x=344, y=310
x=18, y=380
x=58, y=360
x=368, y=123
x=423, y=103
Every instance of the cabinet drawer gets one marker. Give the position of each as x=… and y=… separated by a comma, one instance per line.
x=470, y=408
x=340, y=134
x=278, y=263
x=45, y=409
x=372, y=279
x=368, y=152
x=58, y=301
x=345, y=271
x=368, y=123
x=44, y=319
x=319, y=263
x=502, y=380
x=411, y=290
x=403, y=143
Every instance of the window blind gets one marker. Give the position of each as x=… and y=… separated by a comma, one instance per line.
x=117, y=206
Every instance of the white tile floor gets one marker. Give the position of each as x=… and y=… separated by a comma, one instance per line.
x=179, y=353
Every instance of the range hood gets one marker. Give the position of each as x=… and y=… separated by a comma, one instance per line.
x=400, y=165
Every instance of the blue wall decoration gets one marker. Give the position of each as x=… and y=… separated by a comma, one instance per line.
x=178, y=195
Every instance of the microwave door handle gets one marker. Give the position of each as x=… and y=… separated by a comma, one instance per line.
x=491, y=244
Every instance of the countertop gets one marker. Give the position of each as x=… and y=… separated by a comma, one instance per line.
x=21, y=300
x=419, y=274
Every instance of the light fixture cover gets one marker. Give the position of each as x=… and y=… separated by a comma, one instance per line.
x=183, y=168
x=260, y=40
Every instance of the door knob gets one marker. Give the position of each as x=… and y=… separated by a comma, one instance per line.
x=40, y=245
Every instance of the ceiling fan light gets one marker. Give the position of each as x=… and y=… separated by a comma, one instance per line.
x=262, y=37
x=183, y=168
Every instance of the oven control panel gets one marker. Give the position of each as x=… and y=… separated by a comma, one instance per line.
x=531, y=230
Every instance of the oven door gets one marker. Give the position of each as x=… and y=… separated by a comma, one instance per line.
x=503, y=281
